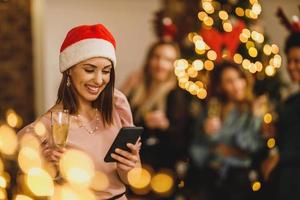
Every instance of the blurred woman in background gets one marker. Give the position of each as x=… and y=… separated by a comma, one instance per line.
x=226, y=136
x=160, y=107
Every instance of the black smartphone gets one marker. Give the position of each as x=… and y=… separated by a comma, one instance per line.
x=125, y=135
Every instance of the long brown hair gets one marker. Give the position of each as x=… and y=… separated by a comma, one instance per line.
x=146, y=68
x=104, y=102
x=216, y=77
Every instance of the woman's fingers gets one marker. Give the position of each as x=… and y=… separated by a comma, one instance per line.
x=123, y=160
x=123, y=167
x=134, y=148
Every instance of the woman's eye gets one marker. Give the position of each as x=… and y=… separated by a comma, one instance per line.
x=89, y=70
x=106, y=72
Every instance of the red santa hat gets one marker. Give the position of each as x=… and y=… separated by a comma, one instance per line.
x=84, y=42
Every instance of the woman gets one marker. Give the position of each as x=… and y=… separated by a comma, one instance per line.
x=287, y=160
x=98, y=111
x=227, y=135
x=160, y=107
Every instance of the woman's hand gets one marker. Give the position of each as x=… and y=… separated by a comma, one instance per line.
x=126, y=160
x=52, y=155
x=157, y=119
x=212, y=125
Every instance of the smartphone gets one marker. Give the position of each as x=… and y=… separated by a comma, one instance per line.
x=125, y=135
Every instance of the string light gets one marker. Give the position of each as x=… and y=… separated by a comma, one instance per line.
x=227, y=26
x=208, y=65
x=271, y=142
x=223, y=15
x=211, y=55
x=208, y=21
x=252, y=52
x=198, y=65
x=202, y=93
x=256, y=186
x=237, y=58
x=162, y=183
x=202, y=15
x=267, y=49
x=239, y=11
x=270, y=70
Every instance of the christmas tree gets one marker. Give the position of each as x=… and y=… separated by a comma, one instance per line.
x=209, y=31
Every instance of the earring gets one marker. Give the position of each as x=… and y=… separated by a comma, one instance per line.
x=68, y=81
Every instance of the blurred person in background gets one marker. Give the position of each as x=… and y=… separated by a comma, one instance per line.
x=226, y=136
x=161, y=108
x=286, y=161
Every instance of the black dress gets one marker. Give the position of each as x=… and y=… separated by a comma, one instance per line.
x=289, y=148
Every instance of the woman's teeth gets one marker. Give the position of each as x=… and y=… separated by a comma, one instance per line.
x=92, y=89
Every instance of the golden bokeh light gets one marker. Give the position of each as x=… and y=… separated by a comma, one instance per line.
x=209, y=65
x=271, y=142
x=3, y=194
x=67, y=192
x=202, y=15
x=267, y=49
x=202, y=93
x=243, y=38
x=3, y=182
x=227, y=26
x=192, y=72
x=223, y=15
x=200, y=45
x=40, y=129
x=22, y=197
x=100, y=181
x=259, y=66
x=77, y=167
x=256, y=8
x=8, y=140
x=237, y=58
x=40, y=182
x=268, y=118
x=246, y=63
x=198, y=64
x=275, y=49
x=139, y=178
x=181, y=64
x=208, y=21
x=211, y=55
x=29, y=158
x=256, y=186
x=252, y=52
x=1, y=165
x=162, y=183
x=29, y=140
x=252, y=68
x=270, y=70
x=199, y=84
x=208, y=7
x=239, y=11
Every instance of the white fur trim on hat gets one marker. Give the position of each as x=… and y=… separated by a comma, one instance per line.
x=85, y=49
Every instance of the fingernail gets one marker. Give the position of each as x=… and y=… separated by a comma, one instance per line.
x=117, y=150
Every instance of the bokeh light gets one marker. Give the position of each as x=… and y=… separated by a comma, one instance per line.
x=162, y=183
x=40, y=182
x=77, y=167
x=8, y=140
x=271, y=142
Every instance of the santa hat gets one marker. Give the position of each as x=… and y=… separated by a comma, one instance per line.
x=84, y=42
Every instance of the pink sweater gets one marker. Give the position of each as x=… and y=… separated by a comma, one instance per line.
x=96, y=145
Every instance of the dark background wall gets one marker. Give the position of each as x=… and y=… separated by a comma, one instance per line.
x=16, y=72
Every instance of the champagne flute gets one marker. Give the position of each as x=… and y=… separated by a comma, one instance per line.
x=60, y=127
x=60, y=130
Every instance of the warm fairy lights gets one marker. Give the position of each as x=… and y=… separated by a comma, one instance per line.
x=252, y=39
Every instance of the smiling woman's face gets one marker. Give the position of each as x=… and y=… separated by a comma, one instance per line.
x=90, y=77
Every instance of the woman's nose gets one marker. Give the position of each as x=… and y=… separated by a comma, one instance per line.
x=99, y=78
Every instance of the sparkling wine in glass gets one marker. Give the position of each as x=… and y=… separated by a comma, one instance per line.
x=60, y=127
